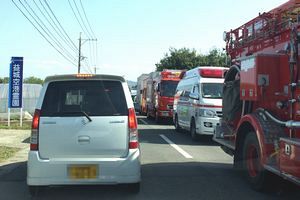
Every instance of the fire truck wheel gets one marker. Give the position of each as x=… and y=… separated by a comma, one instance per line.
x=148, y=114
x=157, y=118
x=177, y=126
x=253, y=169
x=193, y=130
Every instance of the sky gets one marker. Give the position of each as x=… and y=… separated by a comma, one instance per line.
x=132, y=35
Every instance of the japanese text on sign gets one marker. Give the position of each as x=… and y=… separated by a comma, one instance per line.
x=15, y=83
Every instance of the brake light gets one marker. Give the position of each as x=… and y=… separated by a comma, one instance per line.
x=211, y=73
x=34, y=139
x=84, y=75
x=133, y=132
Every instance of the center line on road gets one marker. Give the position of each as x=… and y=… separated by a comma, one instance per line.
x=175, y=146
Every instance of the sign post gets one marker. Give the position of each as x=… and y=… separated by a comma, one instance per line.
x=15, y=86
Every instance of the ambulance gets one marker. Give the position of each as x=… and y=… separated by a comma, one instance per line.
x=198, y=101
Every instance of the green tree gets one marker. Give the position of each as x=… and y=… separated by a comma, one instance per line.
x=216, y=57
x=185, y=58
x=33, y=80
x=4, y=80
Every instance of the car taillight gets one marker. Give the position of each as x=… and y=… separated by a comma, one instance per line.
x=133, y=132
x=34, y=139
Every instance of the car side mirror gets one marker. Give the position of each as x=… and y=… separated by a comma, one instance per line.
x=194, y=96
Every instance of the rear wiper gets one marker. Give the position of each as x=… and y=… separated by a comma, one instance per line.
x=81, y=112
x=87, y=116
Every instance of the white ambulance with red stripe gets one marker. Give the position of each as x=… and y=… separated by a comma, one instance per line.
x=198, y=100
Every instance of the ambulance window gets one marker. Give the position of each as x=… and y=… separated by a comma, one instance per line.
x=212, y=90
x=186, y=94
x=196, y=89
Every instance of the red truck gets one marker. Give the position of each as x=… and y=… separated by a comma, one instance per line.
x=160, y=93
x=141, y=93
x=260, y=125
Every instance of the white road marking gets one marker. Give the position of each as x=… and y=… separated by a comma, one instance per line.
x=144, y=121
x=180, y=150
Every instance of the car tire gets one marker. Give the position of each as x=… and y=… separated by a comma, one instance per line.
x=254, y=172
x=134, y=187
x=176, y=124
x=193, y=133
x=34, y=190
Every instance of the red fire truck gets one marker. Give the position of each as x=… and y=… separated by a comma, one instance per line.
x=160, y=93
x=260, y=125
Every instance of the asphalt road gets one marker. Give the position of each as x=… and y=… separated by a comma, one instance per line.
x=173, y=167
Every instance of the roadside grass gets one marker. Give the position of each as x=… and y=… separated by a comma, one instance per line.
x=7, y=152
x=16, y=125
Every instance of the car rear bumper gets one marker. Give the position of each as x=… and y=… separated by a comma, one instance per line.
x=165, y=114
x=110, y=170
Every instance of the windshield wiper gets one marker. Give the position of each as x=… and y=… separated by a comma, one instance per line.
x=80, y=112
x=87, y=116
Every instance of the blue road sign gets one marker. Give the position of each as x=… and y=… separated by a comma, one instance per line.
x=15, y=82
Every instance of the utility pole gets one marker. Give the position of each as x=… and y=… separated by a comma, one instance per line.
x=80, y=57
x=95, y=69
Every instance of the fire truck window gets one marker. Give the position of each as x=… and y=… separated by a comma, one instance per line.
x=168, y=88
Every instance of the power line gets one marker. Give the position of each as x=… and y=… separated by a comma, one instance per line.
x=68, y=59
x=88, y=66
x=77, y=18
x=87, y=20
x=89, y=34
x=55, y=27
x=94, y=45
x=47, y=31
x=96, y=53
x=83, y=26
x=45, y=1
x=90, y=53
x=56, y=35
x=80, y=49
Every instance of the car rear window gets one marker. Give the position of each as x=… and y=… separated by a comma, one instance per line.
x=95, y=98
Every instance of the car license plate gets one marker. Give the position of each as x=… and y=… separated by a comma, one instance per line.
x=83, y=171
x=165, y=114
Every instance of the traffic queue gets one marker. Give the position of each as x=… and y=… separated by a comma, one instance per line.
x=191, y=99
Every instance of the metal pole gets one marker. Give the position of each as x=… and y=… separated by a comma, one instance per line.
x=8, y=117
x=79, y=55
x=95, y=69
x=21, y=117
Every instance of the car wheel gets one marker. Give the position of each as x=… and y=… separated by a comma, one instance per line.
x=255, y=174
x=33, y=190
x=193, y=130
x=134, y=187
x=177, y=126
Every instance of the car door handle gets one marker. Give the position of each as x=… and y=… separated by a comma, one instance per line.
x=84, y=139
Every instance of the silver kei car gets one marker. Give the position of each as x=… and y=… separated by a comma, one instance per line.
x=84, y=131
